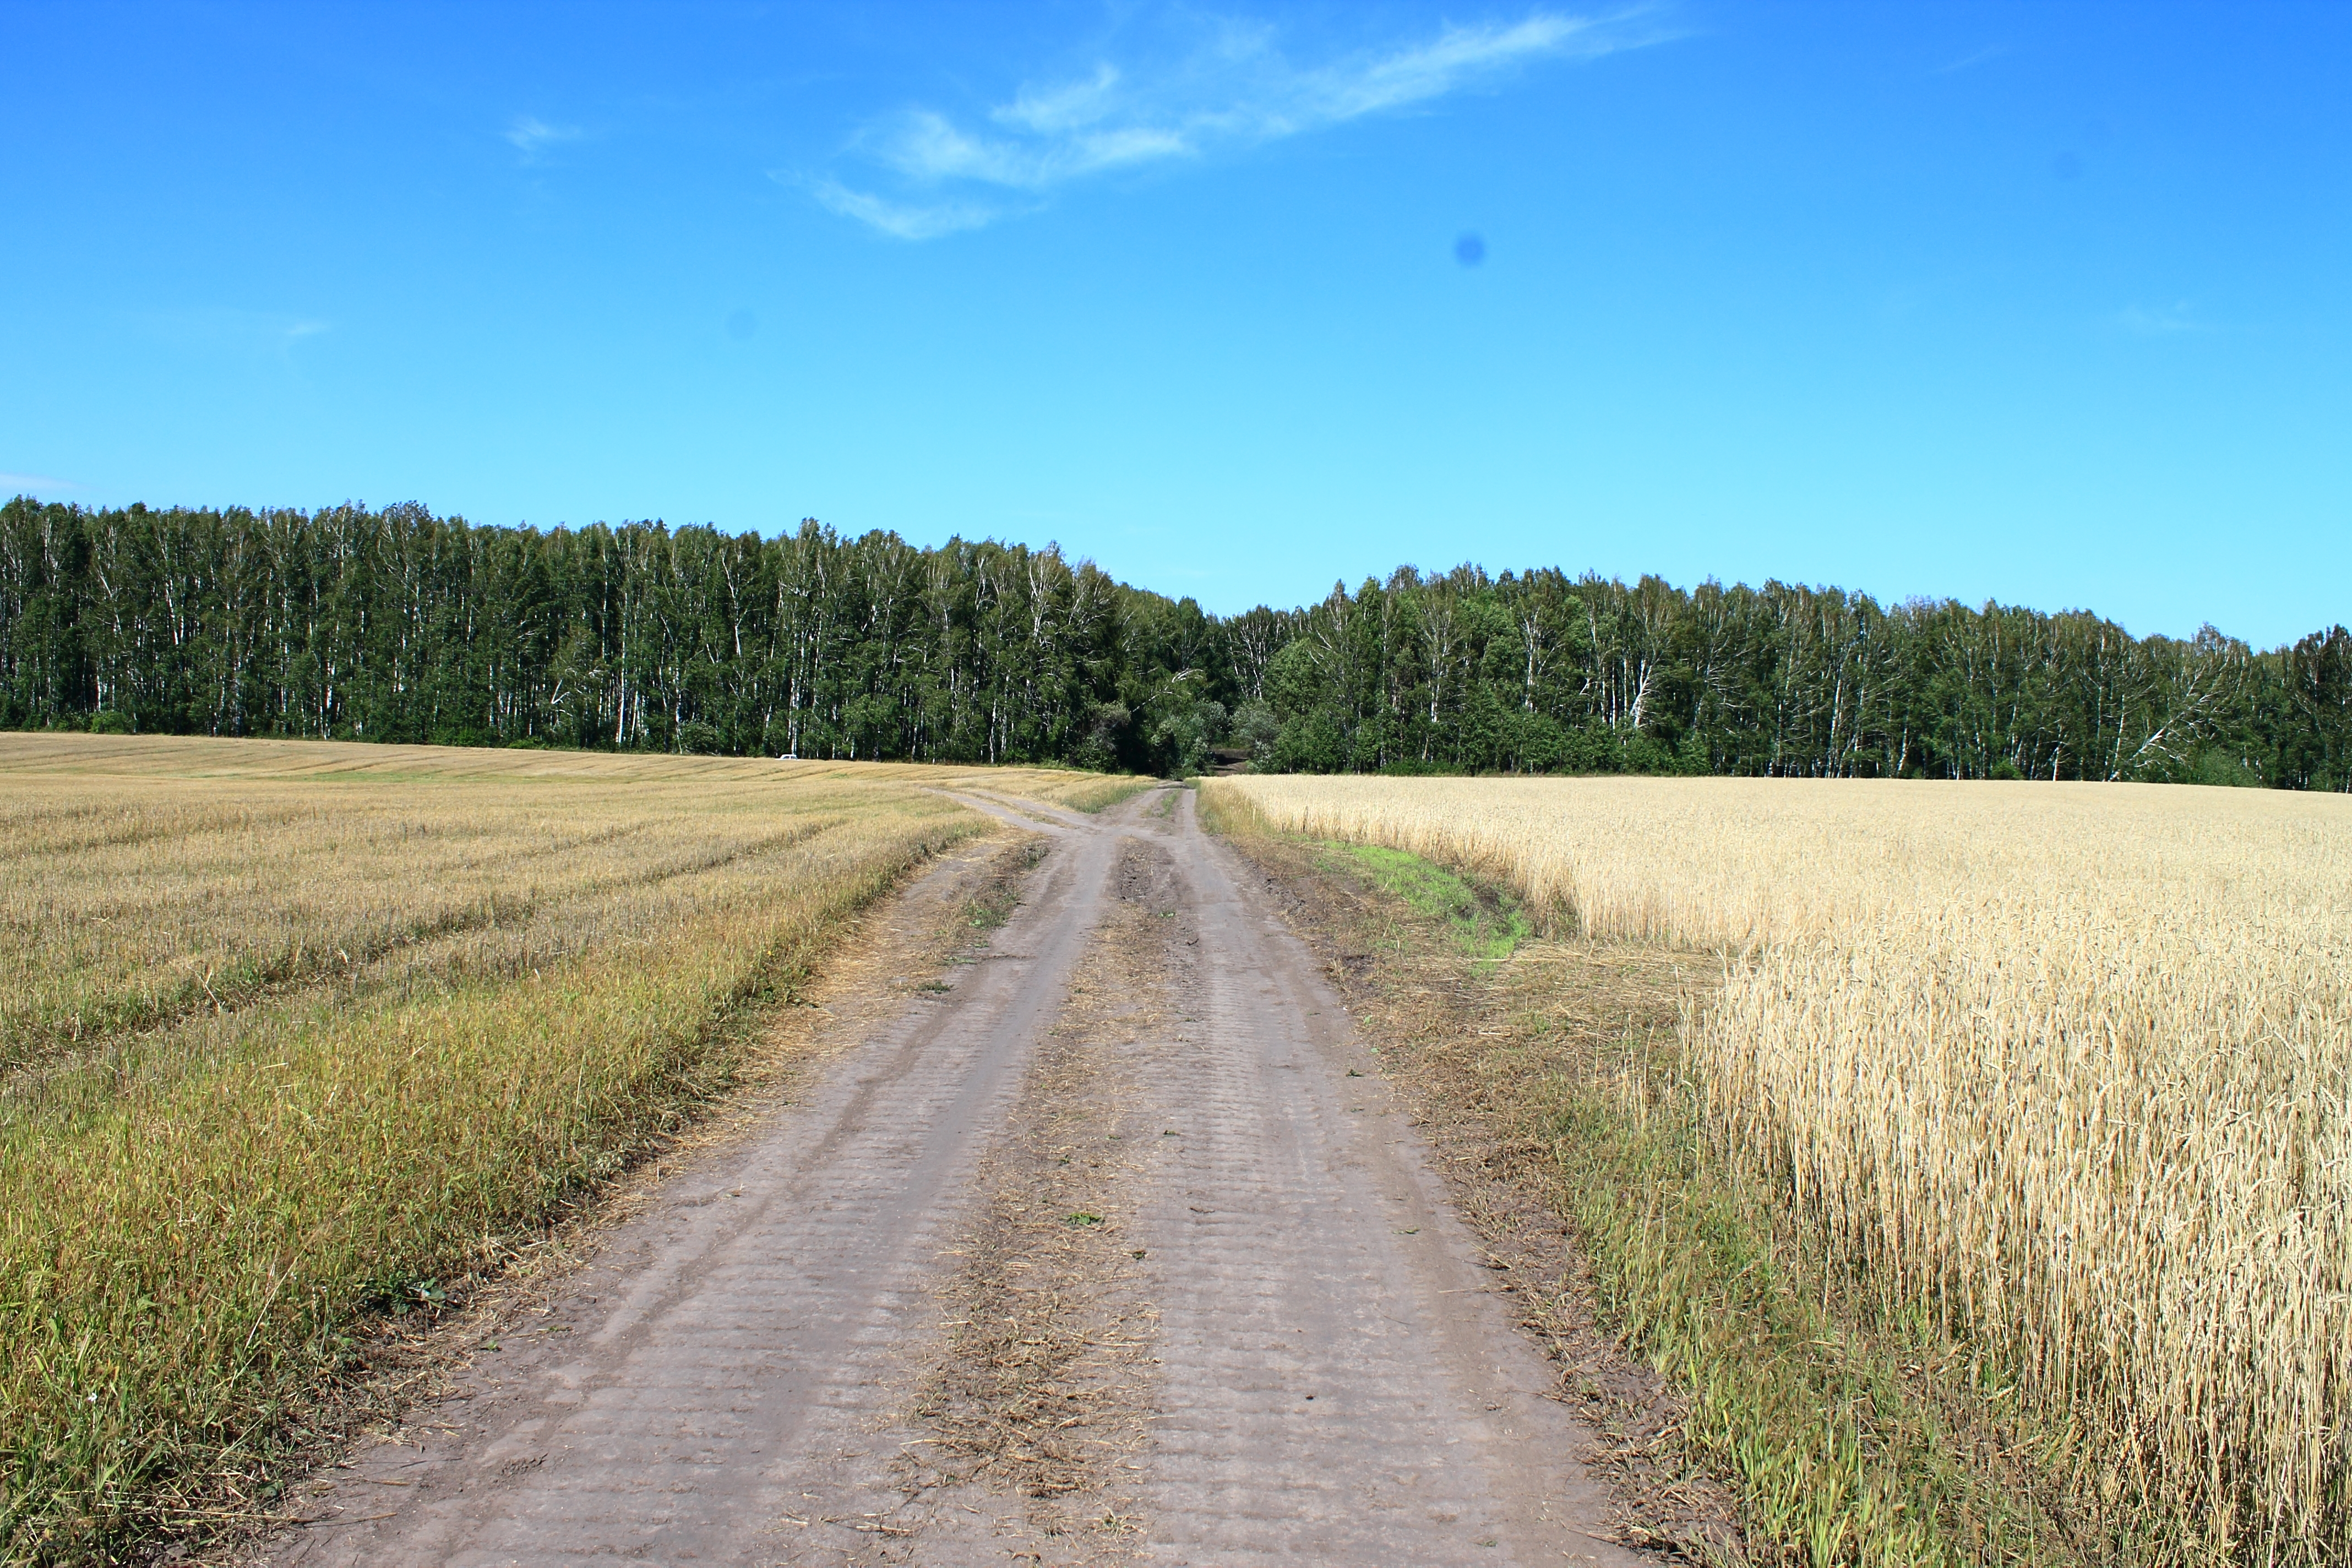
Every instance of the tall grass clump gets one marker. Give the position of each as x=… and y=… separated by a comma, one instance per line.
x=427, y=1009
x=2064, y=1067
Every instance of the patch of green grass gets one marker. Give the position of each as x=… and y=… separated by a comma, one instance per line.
x=994, y=904
x=1484, y=924
x=991, y=910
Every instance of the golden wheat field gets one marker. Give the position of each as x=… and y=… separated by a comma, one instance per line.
x=2066, y=1066
x=291, y=1030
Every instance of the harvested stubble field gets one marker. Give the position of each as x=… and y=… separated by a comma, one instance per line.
x=2056, y=1072
x=292, y=1032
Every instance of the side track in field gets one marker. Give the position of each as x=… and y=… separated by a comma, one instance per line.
x=849, y=1337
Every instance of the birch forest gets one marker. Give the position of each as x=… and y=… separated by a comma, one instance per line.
x=396, y=624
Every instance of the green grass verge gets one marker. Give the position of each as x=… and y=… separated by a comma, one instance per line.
x=1483, y=923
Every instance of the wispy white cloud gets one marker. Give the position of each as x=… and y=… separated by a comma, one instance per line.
x=1233, y=86
x=33, y=485
x=1969, y=61
x=532, y=136
x=1046, y=110
x=1453, y=60
x=905, y=220
x=928, y=147
x=2162, y=321
x=223, y=328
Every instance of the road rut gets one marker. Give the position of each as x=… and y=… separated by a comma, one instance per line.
x=1306, y=1361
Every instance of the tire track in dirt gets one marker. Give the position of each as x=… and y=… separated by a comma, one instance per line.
x=1337, y=1382
x=1028, y=1439
x=728, y=1365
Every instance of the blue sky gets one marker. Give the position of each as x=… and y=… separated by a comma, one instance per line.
x=2047, y=303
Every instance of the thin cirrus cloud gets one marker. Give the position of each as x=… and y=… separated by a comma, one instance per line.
x=2163, y=322
x=906, y=220
x=1985, y=55
x=1234, y=87
x=33, y=485
x=221, y=328
x=532, y=136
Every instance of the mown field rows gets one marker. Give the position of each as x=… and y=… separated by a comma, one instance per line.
x=290, y=1032
x=2063, y=1068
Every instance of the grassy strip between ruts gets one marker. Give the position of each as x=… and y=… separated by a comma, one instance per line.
x=1845, y=1440
x=188, y=1228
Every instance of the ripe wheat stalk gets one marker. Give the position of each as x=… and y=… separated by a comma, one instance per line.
x=2065, y=1065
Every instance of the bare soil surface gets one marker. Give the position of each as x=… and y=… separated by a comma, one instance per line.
x=1108, y=1243
x=1476, y=1050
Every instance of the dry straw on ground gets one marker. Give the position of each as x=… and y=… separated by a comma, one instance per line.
x=289, y=1030
x=2064, y=1066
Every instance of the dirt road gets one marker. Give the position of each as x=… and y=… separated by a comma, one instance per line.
x=1107, y=1246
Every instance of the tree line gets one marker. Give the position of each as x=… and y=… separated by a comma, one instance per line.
x=397, y=625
